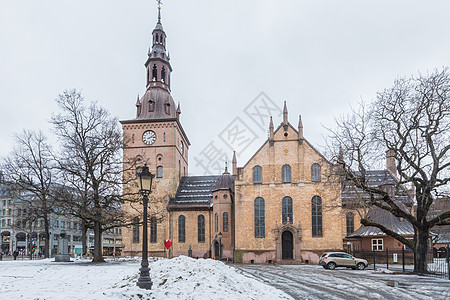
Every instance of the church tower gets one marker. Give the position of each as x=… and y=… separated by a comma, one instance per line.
x=156, y=138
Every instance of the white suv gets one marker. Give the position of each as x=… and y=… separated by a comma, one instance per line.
x=331, y=260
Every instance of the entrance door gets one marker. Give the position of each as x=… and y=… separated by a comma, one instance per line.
x=287, y=245
x=216, y=250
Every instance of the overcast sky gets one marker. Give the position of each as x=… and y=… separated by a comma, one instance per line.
x=319, y=56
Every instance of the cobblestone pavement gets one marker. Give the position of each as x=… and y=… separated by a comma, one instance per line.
x=314, y=282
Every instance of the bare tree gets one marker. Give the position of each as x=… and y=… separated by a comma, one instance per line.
x=412, y=121
x=91, y=164
x=30, y=167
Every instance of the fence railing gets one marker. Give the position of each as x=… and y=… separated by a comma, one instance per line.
x=402, y=261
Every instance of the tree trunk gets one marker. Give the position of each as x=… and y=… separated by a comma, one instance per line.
x=84, y=238
x=47, y=239
x=98, y=253
x=420, y=255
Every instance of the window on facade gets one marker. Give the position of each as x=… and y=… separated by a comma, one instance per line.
x=9, y=222
x=216, y=222
x=257, y=174
x=350, y=223
x=63, y=224
x=9, y=202
x=377, y=245
x=68, y=225
x=159, y=172
x=201, y=228
x=181, y=229
x=4, y=212
x=56, y=223
x=286, y=208
x=316, y=209
x=315, y=172
x=9, y=212
x=3, y=223
x=153, y=230
x=225, y=222
x=42, y=223
x=260, y=231
x=286, y=174
x=154, y=73
x=136, y=230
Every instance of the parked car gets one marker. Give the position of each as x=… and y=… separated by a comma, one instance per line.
x=331, y=260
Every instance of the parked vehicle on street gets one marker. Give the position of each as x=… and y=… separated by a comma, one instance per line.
x=331, y=260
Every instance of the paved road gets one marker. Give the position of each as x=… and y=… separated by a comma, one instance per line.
x=314, y=282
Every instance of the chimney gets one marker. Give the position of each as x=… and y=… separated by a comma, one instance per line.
x=390, y=162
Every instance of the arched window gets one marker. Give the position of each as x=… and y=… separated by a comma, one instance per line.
x=350, y=223
x=136, y=230
x=163, y=74
x=155, y=73
x=260, y=231
x=157, y=38
x=315, y=172
x=201, y=228
x=257, y=174
x=216, y=222
x=316, y=211
x=160, y=38
x=132, y=138
x=286, y=208
x=159, y=172
x=225, y=222
x=286, y=174
x=181, y=229
x=153, y=230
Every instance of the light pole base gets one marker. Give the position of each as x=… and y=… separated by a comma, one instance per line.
x=144, y=283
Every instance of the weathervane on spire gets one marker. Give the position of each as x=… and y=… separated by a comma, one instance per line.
x=159, y=10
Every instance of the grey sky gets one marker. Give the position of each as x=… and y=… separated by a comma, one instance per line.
x=319, y=56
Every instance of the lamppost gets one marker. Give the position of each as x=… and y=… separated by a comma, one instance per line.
x=220, y=245
x=145, y=179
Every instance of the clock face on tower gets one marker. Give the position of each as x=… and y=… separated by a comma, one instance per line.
x=149, y=137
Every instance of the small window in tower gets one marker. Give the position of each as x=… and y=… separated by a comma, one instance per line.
x=167, y=108
x=160, y=38
x=132, y=138
x=164, y=137
x=159, y=172
x=155, y=73
x=148, y=75
x=163, y=74
x=151, y=105
x=157, y=38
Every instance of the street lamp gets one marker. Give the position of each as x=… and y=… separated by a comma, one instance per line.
x=220, y=245
x=145, y=179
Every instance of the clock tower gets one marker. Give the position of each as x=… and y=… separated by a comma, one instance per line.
x=155, y=136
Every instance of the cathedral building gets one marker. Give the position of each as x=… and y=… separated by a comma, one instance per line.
x=280, y=205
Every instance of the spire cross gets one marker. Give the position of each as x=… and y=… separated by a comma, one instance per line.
x=159, y=3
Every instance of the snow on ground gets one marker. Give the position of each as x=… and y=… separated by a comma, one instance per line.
x=177, y=278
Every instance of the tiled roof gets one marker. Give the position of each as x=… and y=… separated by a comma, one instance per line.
x=375, y=178
x=194, y=191
x=388, y=220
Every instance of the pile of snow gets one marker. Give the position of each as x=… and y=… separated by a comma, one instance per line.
x=177, y=278
x=383, y=271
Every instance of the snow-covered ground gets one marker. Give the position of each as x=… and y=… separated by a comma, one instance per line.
x=177, y=278
x=187, y=278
